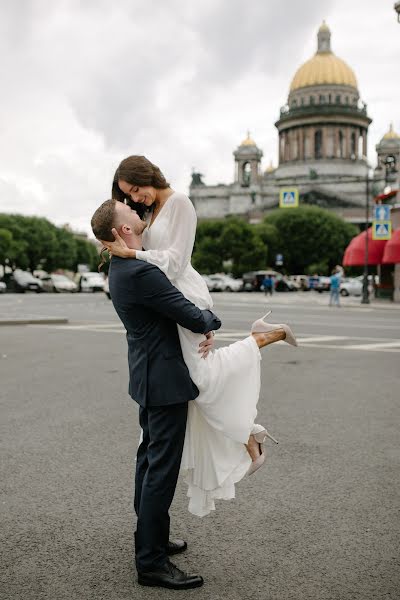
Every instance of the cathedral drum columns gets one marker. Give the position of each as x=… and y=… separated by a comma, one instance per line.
x=323, y=130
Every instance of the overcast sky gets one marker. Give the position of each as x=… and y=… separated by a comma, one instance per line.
x=87, y=83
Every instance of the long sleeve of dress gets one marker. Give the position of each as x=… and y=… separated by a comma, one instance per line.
x=180, y=239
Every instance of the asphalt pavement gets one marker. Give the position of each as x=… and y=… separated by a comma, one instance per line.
x=320, y=520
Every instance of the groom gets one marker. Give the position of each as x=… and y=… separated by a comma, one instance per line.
x=149, y=306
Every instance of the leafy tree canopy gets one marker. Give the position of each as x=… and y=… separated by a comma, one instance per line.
x=310, y=236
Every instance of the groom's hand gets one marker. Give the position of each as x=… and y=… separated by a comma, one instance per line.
x=206, y=345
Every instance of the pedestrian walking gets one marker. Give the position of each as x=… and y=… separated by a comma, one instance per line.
x=268, y=284
x=335, y=287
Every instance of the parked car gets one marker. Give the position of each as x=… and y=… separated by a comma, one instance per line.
x=224, y=283
x=58, y=283
x=323, y=285
x=23, y=281
x=302, y=282
x=210, y=284
x=3, y=287
x=252, y=281
x=351, y=286
x=91, y=282
x=282, y=284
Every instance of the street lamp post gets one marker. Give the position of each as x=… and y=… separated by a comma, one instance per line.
x=365, y=294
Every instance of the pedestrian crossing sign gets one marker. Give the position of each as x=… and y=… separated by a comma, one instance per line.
x=288, y=198
x=381, y=230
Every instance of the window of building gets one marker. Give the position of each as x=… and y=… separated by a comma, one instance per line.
x=312, y=99
x=329, y=98
x=321, y=99
x=346, y=99
x=318, y=143
x=246, y=172
x=337, y=99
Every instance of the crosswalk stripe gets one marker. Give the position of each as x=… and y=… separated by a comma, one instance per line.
x=307, y=341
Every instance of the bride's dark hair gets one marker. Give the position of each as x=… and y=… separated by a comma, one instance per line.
x=137, y=170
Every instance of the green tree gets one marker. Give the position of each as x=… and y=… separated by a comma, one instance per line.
x=6, y=239
x=86, y=254
x=232, y=240
x=240, y=244
x=17, y=253
x=207, y=256
x=269, y=236
x=66, y=251
x=309, y=236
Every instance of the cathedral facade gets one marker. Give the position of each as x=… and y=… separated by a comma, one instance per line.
x=322, y=149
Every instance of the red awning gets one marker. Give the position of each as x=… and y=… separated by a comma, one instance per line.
x=392, y=249
x=354, y=255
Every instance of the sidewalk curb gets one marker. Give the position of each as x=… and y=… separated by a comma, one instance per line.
x=34, y=321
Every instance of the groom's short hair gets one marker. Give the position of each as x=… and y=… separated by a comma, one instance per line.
x=103, y=221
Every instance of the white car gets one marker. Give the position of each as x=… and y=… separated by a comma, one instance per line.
x=58, y=283
x=351, y=287
x=91, y=282
x=3, y=287
x=225, y=283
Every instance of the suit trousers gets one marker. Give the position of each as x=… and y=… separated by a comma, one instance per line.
x=157, y=468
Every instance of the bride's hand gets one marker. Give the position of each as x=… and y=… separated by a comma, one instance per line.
x=119, y=247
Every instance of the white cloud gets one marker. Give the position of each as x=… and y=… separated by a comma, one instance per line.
x=87, y=83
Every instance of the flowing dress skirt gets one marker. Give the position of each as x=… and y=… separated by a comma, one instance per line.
x=221, y=418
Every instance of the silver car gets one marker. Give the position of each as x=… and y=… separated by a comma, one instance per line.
x=58, y=283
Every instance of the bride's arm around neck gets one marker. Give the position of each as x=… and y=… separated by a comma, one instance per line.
x=180, y=224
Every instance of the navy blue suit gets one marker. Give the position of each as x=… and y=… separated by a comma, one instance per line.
x=149, y=306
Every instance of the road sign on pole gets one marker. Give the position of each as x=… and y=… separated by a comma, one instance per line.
x=279, y=260
x=381, y=225
x=289, y=197
x=382, y=212
x=381, y=230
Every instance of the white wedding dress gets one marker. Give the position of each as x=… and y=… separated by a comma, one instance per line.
x=222, y=417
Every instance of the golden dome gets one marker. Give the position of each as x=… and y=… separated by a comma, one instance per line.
x=391, y=134
x=248, y=141
x=270, y=168
x=324, y=68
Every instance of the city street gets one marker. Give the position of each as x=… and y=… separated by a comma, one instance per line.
x=320, y=521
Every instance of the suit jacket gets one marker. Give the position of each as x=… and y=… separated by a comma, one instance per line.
x=150, y=306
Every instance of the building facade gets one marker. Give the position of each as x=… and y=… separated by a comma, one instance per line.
x=322, y=149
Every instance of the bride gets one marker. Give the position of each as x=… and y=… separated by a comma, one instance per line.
x=222, y=441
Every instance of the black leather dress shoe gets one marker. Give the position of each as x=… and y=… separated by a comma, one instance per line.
x=170, y=577
x=176, y=547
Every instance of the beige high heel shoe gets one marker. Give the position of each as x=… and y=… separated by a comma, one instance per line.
x=260, y=326
x=259, y=461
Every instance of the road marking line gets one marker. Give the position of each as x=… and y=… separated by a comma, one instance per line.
x=311, y=341
x=322, y=338
x=362, y=348
x=375, y=346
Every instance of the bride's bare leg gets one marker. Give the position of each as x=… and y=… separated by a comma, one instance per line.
x=264, y=339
